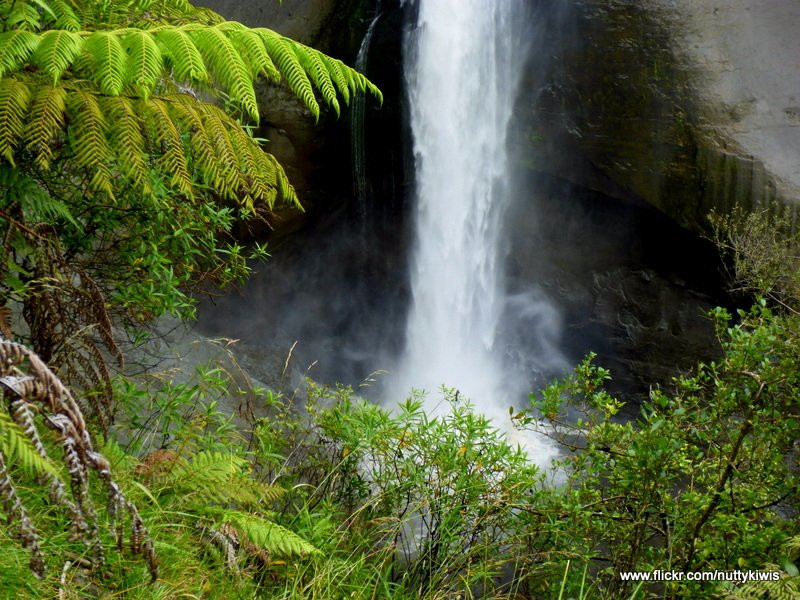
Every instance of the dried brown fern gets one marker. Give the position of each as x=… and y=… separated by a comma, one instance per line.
x=68, y=317
x=31, y=390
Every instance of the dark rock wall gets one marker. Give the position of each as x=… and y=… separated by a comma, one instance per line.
x=630, y=104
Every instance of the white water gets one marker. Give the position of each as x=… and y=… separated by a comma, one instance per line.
x=358, y=150
x=463, y=66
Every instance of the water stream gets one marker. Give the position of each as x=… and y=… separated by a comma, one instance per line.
x=463, y=64
x=357, y=137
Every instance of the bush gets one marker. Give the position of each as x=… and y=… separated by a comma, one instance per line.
x=705, y=479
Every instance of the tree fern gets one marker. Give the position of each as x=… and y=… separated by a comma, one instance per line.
x=18, y=449
x=56, y=51
x=127, y=134
x=107, y=61
x=16, y=47
x=228, y=67
x=282, y=53
x=217, y=477
x=104, y=137
x=34, y=202
x=90, y=141
x=65, y=17
x=265, y=534
x=22, y=16
x=45, y=122
x=167, y=138
x=249, y=45
x=144, y=65
x=230, y=52
x=318, y=72
x=15, y=99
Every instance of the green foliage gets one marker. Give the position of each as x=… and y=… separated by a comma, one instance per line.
x=697, y=482
x=116, y=174
x=19, y=450
x=764, y=251
x=43, y=414
x=404, y=505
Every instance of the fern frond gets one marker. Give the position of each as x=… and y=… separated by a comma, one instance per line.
x=217, y=477
x=15, y=97
x=268, y=535
x=167, y=142
x=313, y=65
x=19, y=449
x=188, y=114
x=144, y=62
x=793, y=545
x=218, y=128
x=204, y=474
x=22, y=16
x=108, y=60
x=65, y=17
x=285, y=188
x=337, y=75
x=281, y=51
x=45, y=123
x=184, y=57
x=249, y=45
x=36, y=204
x=16, y=47
x=227, y=66
x=259, y=181
x=89, y=143
x=56, y=51
x=127, y=137
x=18, y=517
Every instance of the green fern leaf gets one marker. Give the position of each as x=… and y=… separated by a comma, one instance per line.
x=288, y=194
x=108, y=60
x=316, y=68
x=282, y=54
x=259, y=182
x=45, y=123
x=268, y=535
x=184, y=57
x=227, y=66
x=167, y=143
x=127, y=137
x=56, y=52
x=44, y=208
x=36, y=204
x=337, y=75
x=16, y=48
x=65, y=17
x=251, y=48
x=89, y=142
x=218, y=126
x=15, y=97
x=188, y=114
x=144, y=62
x=22, y=16
x=17, y=447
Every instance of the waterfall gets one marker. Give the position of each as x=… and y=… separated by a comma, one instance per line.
x=357, y=109
x=463, y=64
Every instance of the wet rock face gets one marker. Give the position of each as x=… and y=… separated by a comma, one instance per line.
x=629, y=283
x=668, y=101
x=314, y=155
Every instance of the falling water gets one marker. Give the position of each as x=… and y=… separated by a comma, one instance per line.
x=463, y=67
x=357, y=130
